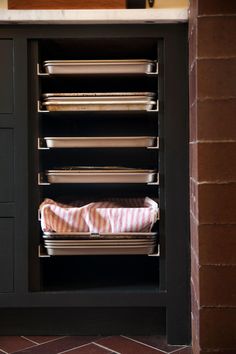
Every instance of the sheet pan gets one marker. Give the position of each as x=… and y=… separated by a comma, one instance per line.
x=57, y=67
x=101, y=141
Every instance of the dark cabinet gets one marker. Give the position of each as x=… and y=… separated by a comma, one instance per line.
x=7, y=165
x=6, y=75
x=7, y=255
x=110, y=290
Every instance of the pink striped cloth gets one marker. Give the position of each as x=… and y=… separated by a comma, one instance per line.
x=115, y=215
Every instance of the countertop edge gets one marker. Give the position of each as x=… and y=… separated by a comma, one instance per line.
x=173, y=15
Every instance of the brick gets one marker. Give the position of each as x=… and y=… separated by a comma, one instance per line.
x=210, y=7
x=217, y=244
x=216, y=119
x=220, y=38
x=192, y=46
x=194, y=235
x=193, y=123
x=216, y=78
x=194, y=298
x=193, y=163
x=217, y=203
x=217, y=328
x=216, y=161
x=220, y=351
x=192, y=85
x=194, y=198
x=195, y=326
x=218, y=285
x=195, y=275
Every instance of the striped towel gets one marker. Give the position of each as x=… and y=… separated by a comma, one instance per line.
x=114, y=215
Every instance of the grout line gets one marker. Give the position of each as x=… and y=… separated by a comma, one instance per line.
x=228, y=57
x=146, y=345
x=210, y=98
x=216, y=182
x=80, y=346
x=3, y=351
x=102, y=346
x=213, y=141
x=20, y=350
x=52, y=340
x=216, y=15
x=30, y=340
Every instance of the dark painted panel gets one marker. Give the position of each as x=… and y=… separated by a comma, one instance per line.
x=6, y=75
x=6, y=255
x=6, y=163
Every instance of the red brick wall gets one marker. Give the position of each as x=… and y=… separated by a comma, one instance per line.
x=212, y=65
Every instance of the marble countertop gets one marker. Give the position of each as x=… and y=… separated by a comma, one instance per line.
x=93, y=16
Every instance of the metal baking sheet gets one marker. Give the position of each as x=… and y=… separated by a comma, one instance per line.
x=98, y=94
x=101, y=141
x=98, y=169
x=56, y=251
x=99, y=67
x=99, y=106
x=98, y=241
x=100, y=177
x=98, y=99
x=92, y=243
x=101, y=236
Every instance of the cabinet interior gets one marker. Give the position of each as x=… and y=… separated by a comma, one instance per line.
x=127, y=272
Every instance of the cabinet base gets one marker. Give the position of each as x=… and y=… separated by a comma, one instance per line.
x=82, y=321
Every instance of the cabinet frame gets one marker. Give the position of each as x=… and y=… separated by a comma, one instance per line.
x=174, y=289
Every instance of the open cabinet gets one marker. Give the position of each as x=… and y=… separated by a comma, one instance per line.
x=108, y=130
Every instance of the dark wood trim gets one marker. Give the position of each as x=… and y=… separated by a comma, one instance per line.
x=177, y=187
x=65, y=4
x=83, y=321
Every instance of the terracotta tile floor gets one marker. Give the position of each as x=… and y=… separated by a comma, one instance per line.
x=89, y=345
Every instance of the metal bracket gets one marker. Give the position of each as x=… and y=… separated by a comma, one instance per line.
x=156, y=72
x=39, y=215
x=157, y=254
x=40, y=147
x=42, y=252
x=95, y=235
x=151, y=3
x=39, y=110
x=156, y=183
x=41, y=182
x=40, y=73
x=156, y=147
x=156, y=109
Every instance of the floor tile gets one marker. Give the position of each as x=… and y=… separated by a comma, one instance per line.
x=89, y=349
x=11, y=344
x=187, y=350
x=158, y=342
x=60, y=345
x=126, y=346
x=42, y=339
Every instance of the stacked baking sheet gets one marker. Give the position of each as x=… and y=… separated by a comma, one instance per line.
x=71, y=67
x=104, y=244
x=99, y=101
x=107, y=174
x=115, y=226
x=101, y=141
